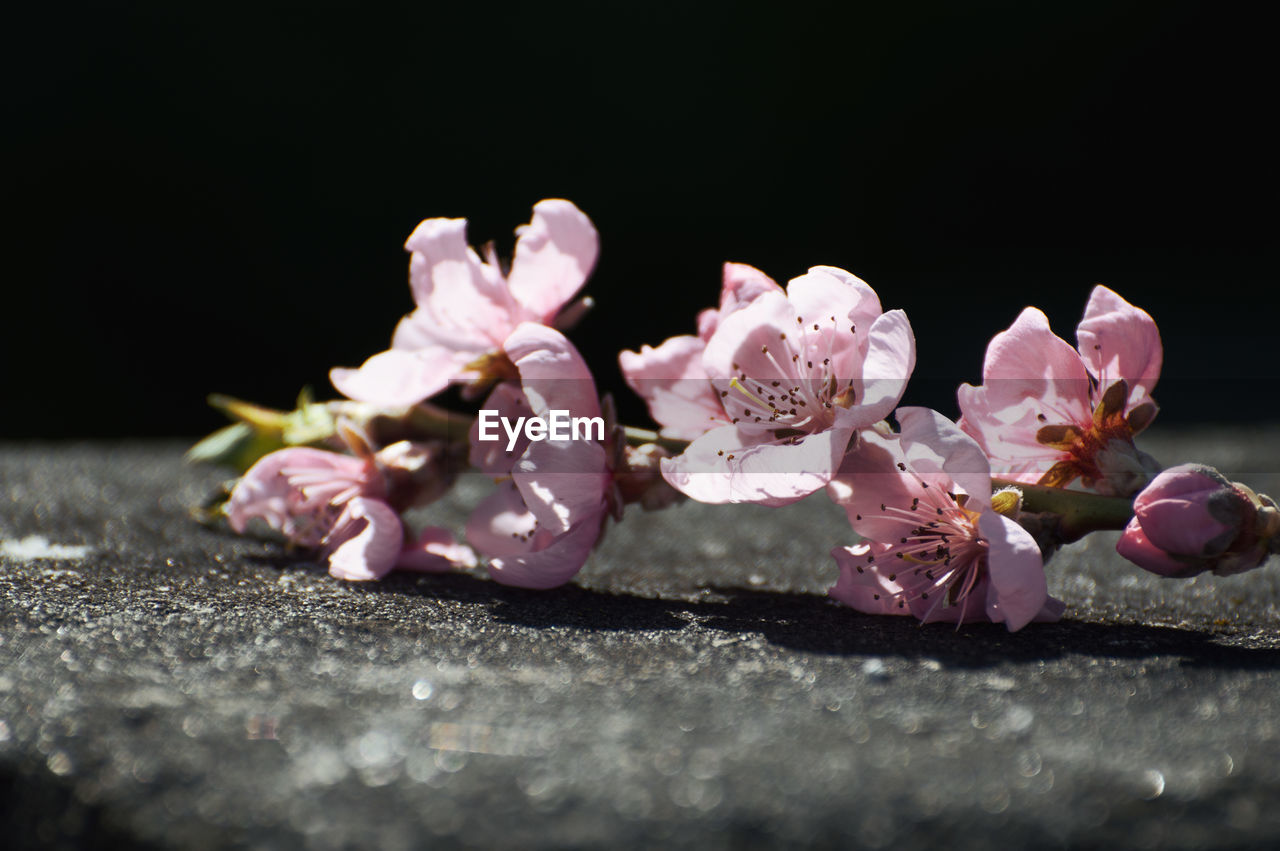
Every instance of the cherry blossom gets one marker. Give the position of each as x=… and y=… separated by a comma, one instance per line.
x=936, y=544
x=467, y=306
x=670, y=377
x=1050, y=414
x=348, y=508
x=797, y=374
x=539, y=526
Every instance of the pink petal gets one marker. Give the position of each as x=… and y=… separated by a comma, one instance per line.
x=868, y=591
x=741, y=342
x=269, y=489
x=491, y=456
x=1031, y=378
x=1137, y=548
x=562, y=481
x=435, y=551
x=262, y=492
x=421, y=330
x=1007, y=435
x=869, y=477
x=934, y=444
x=763, y=473
x=864, y=304
x=554, y=565
x=1016, y=570
x=1120, y=341
x=890, y=360
x=1029, y=361
x=835, y=302
x=552, y=373
x=554, y=255
x=1184, y=526
x=453, y=286
x=502, y=525
x=742, y=284
x=368, y=539
x=397, y=379
x=671, y=380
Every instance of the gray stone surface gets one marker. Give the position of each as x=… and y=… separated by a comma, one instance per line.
x=178, y=686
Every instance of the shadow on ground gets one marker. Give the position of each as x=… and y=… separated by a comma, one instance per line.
x=813, y=623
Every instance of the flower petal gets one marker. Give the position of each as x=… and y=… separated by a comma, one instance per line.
x=503, y=525
x=863, y=305
x=960, y=457
x=554, y=255
x=435, y=551
x=554, y=565
x=741, y=343
x=867, y=590
x=491, y=456
x=890, y=360
x=742, y=284
x=1120, y=341
x=1137, y=548
x=1016, y=570
x=291, y=488
x=396, y=378
x=452, y=284
x=562, y=481
x=869, y=478
x=1029, y=362
x=367, y=541
x=552, y=373
x=721, y=467
x=671, y=380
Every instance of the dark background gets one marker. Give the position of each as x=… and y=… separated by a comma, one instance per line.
x=215, y=199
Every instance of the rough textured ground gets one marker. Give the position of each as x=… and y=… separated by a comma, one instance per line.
x=177, y=686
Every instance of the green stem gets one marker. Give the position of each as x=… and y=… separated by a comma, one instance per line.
x=1081, y=512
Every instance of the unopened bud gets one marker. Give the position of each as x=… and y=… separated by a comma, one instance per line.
x=1192, y=519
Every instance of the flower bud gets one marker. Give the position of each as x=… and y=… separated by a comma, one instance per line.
x=641, y=480
x=417, y=473
x=1191, y=519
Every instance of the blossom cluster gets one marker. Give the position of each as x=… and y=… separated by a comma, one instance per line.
x=781, y=392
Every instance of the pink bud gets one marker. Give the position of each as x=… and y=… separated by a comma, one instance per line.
x=1135, y=546
x=1191, y=519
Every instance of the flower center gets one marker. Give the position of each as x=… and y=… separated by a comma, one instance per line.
x=1085, y=442
x=942, y=557
x=802, y=395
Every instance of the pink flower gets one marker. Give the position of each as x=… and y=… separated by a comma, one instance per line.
x=1191, y=519
x=466, y=306
x=934, y=546
x=541, y=523
x=1047, y=413
x=798, y=375
x=344, y=506
x=671, y=378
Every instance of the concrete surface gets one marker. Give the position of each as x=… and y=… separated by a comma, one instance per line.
x=175, y=686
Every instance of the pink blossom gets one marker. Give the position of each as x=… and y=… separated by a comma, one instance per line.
x=344, y=506
x=466, y=306
x=539, y=526
x=671, y=378
x=1047, y=413
x=1191, y=519
x=797, y=376
x=934, y=546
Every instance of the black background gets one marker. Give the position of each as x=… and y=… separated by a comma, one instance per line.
x=206, y=198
